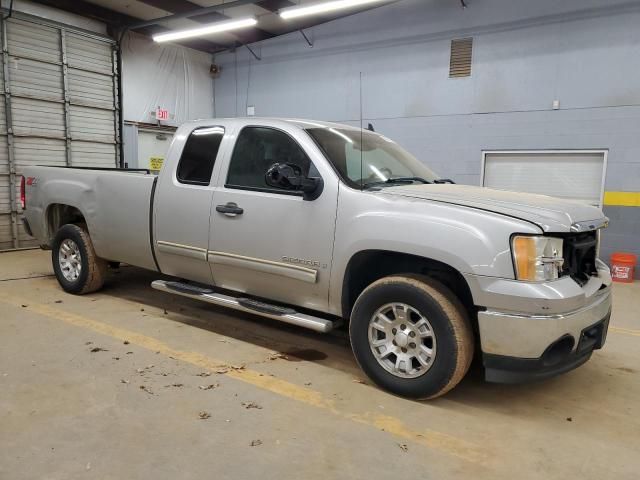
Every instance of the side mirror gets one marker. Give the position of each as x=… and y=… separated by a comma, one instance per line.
x=288, y=176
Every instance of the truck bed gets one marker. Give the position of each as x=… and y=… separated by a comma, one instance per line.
x=116, y=204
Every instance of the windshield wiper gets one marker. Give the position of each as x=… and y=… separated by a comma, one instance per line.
x=391, y=181
x=444, y=180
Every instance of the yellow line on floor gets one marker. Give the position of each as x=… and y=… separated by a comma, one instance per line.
x=625, y=331
x=430, y=438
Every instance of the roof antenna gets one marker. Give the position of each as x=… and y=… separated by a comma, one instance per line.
x=370, y=127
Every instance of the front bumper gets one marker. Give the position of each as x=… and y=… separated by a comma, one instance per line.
x=558, y=333
x=559, y=357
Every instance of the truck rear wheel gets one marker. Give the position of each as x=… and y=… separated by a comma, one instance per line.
x=77, y=267
x=411, y=336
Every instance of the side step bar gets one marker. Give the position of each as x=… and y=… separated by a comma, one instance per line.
x=248, y=305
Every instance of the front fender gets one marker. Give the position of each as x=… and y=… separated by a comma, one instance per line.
x=469, y=240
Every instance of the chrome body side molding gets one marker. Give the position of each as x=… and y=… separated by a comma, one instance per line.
x=184, y=250
x=296, y=272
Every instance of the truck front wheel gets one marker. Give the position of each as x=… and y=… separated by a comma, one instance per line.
x=77, y=267
x=411, y=336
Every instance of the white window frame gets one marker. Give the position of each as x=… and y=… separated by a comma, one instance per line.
x=603, y=151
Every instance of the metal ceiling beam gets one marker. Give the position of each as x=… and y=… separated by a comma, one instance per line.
x=250, y=35
x=274, y=5
x=199, y=11
x=119, y=20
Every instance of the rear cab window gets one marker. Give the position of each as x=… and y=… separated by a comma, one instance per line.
x=199, y=156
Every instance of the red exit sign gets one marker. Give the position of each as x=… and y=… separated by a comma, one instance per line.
x=162, y=114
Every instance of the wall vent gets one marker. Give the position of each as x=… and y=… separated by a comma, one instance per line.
x=460, y=61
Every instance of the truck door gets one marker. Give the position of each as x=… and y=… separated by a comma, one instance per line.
x=266, y=241
x=182, y=207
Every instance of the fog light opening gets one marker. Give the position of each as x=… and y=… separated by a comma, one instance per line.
x=558, y=351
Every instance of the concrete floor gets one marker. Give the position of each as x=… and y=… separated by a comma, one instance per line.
x=132, y=409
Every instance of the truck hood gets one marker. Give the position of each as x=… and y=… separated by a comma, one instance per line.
x=549, y=213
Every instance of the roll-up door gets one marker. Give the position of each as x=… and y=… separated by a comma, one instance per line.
x=60, y=93
x=571, y=174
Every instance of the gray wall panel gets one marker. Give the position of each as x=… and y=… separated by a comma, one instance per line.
x=525, y=55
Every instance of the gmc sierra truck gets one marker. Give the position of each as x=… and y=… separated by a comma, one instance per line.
x=321, y=225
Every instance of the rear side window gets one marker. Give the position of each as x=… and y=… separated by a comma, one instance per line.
x=257, y=149
x=199, y=155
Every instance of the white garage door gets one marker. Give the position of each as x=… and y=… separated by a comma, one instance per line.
x=574, y=175
x=60, y=92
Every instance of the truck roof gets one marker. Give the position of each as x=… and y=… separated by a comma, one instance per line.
x=269, y=121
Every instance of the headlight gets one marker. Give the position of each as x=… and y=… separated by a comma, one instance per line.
x=537, y=258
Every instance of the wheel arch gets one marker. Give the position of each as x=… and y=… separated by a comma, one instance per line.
x=59, y=214
x=367, y=266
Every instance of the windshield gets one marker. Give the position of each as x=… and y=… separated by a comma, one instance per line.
x=365, y=159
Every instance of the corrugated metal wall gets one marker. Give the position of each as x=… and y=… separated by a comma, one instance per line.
x=60, y=108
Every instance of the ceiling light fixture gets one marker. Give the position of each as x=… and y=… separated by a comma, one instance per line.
x=206, y=30
x=316, y=8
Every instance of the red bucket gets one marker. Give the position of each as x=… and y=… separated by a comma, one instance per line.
x=623, y=266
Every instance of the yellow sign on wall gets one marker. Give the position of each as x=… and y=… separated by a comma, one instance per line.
x=155, y=163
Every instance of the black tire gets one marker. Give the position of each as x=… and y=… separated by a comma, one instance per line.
x=449, y=324
x=92, y=268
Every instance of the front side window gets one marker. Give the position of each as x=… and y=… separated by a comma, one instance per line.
x=199, y=155
x=256, y=150
x=364, y=159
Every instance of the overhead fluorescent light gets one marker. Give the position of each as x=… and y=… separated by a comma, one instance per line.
x=316, y=8
x=206, y=30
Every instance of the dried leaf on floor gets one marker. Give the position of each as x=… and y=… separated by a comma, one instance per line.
x=58, y=301
x=98, y=349
x=116, y=358
x=126, y=342
x=204, y=415
x=209, y=387
x=403, y=447
x=357, y=380
x=146, y=389
x=176, y=385
x=124, y=381
x=203, y=374
x=249, y=405
x=277, y=355
x=255, y=443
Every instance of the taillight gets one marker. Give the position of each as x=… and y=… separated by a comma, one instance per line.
x=23, y=197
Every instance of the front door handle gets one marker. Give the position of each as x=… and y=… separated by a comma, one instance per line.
x=231, y=209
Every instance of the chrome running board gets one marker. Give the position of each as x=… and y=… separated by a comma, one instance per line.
x=248, y=305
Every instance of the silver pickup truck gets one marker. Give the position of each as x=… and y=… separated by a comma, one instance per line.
x=319, y=225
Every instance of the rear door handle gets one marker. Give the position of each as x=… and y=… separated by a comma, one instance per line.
x=231, y=209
